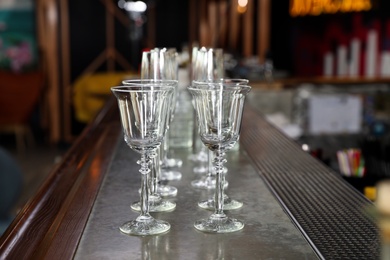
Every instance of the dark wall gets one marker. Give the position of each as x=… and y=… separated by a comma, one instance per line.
x=172, y=23
x=280, y=35
x=87, y=20
x=88, y=28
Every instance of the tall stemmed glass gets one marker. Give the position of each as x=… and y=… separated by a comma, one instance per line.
x=171, y=68
x=155, y=201
x=208, y=181
x=207, y=66
x=201, y=155
x=219, y=109
x=143, y=110
x=162, y=64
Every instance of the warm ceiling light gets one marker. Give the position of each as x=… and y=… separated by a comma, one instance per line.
x=317, y=7
x=242, y=6
x=138, y=6
x=243, y=3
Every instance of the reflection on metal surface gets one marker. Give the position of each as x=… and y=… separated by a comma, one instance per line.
x=329, y=212
x=268, y=232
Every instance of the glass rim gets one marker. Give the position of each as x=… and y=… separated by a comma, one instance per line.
x=133, y=82
x=142, y=88
x=215, y=85
x=206, y=87
x=232, y=81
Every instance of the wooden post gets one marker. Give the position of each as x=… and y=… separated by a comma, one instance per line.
x=248, y=30
x=67, y=91
x=263, y=34
x=234, y=27
x=193, y=14
x=47, y=34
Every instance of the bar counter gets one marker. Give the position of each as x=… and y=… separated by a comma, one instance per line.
x=294, y=206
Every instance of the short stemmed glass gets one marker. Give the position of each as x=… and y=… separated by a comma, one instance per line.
x=143, y=110
x=155, y=201
x=219, y=109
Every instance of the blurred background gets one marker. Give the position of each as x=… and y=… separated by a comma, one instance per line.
x=321, y=70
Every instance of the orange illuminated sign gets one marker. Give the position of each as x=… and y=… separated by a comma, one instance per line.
x=317, y=7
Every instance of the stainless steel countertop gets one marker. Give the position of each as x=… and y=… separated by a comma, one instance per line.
x=268, y=232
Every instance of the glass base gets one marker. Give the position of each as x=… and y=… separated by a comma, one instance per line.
x=167, y=175
x=156, y=205
x=228, y=204
x=201, y=169
x=206, y=183
x=199, y=157
x=166, y=190
x=145, y=226
x=172, y=163
x=219, y=223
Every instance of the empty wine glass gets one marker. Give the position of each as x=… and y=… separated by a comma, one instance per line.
x=166, y=162
x=201, y=155
x=156, y=202
x=207, y=65
x=219, y=109
x=208, y=181
x=162, y=64
x=143, y=109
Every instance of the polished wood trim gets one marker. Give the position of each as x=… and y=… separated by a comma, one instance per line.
x=51, y=224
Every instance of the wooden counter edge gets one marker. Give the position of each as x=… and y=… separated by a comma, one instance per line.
x=51, y=224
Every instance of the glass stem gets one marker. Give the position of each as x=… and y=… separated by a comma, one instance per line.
x=164, y=149
x=210, y=162
x=155, y=173
x=144, y=186
x=220, y=181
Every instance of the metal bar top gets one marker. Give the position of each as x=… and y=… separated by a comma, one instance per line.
x=294, y=207
x=268, y=232
x=332, y=215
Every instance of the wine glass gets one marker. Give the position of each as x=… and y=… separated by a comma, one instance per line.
x=170, y=56
x=210, y=179
x=155, y=201
x=162, y=64
x=207, y=65
x=202, y=155
x=219, y=109
x=143, y=110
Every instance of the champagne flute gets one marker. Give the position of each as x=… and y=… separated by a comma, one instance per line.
x=219, y=107
x=143, y=110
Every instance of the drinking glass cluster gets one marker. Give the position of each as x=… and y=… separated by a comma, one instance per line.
x=147, y=107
